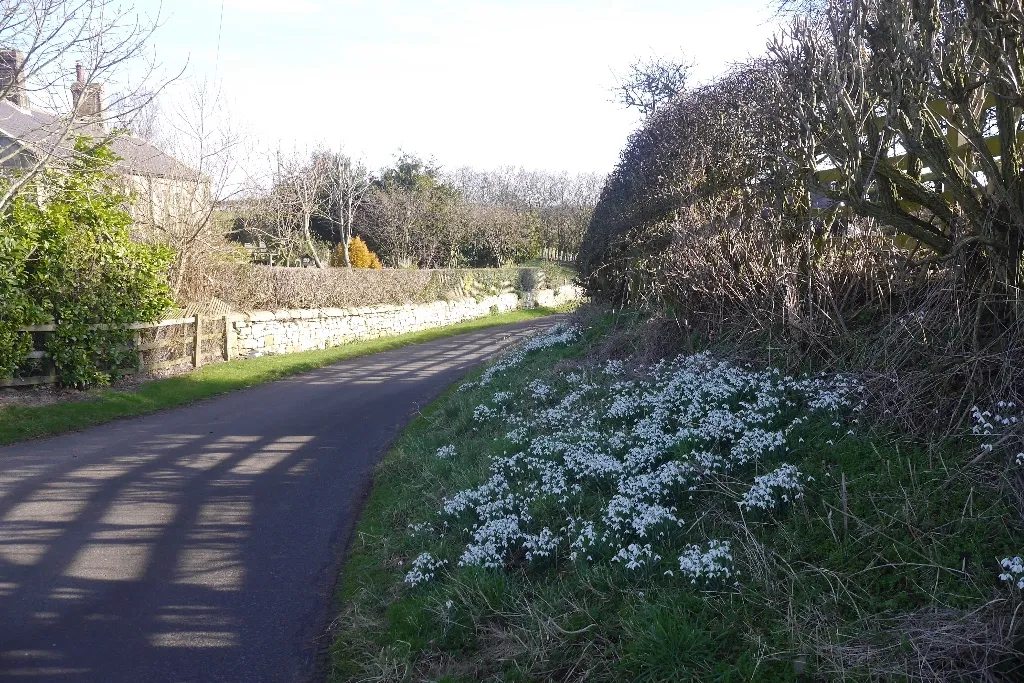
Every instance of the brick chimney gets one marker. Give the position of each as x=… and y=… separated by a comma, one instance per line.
x=12, y=77
x=87, y=97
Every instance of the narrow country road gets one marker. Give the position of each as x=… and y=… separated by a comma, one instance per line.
x=203, y=543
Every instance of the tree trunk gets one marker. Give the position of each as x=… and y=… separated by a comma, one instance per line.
x=346, y=230
x=309, y=241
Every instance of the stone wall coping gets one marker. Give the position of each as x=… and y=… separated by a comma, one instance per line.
x=286, y=314
x=289, y=314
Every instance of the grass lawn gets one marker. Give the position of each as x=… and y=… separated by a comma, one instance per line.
x=501, y=543
x=18, y=423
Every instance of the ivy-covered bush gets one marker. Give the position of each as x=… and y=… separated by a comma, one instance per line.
x=17, y=307
x=66, y=258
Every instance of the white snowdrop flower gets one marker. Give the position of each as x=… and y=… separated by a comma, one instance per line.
x=418, y=528
x=423, y=568
x=556, y=336
x=543, y=544
x=517, y=435
x=614, y=368
x=706, y=563
x=1014, y=573
x=490, y=542
x=673, y=430
x=539, y=390
x=582, y=536
x=445, y=452
x=635, y=556
x=987, y=424
x=784, y=482
x=755, y=443
x=448, y=604
x=483, y=413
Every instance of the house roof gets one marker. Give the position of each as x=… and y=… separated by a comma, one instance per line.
x=42, y=131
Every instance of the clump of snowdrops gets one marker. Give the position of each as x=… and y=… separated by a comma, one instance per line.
x=608, y=467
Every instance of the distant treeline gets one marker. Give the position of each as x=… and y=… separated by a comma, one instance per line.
x=415, y=214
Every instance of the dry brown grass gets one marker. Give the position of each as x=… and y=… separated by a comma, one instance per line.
x=929, y=341
x=933, y=644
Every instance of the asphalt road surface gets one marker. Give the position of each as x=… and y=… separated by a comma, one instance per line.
x=203, y=543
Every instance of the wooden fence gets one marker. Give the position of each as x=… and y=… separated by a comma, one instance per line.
x=178, y=343
x=558, y=255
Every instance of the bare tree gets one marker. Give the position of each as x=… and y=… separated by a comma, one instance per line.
x=141, y=115
x=178, y=208
x=268, y=215
x=46, y=41
x=303, y=182
x=346, y=185
x=650, y=83
x=551, y=210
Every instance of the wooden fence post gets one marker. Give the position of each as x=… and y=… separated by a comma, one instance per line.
x=197, y=351
x=137, y=339
x=229, y=337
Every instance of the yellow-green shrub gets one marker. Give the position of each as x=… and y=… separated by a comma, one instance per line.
x=360, y=256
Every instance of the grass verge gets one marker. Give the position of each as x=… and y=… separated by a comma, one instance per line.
x=18, y=423
x=880, y=563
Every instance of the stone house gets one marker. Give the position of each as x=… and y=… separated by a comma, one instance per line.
x=164, y=190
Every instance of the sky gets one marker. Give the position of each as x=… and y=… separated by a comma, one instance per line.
x=481, y=83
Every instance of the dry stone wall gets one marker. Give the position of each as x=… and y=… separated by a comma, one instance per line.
x=289, y=331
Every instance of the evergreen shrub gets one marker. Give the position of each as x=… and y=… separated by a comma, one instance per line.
x=359, y=255
x=66, y=258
